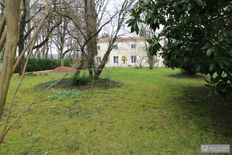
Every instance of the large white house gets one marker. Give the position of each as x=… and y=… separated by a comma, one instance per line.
x=128, y=51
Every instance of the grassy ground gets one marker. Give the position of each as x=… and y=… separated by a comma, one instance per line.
x=151, y=113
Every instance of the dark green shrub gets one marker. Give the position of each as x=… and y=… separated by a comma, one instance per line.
x=36, y=64
x=80, y=80
x=68, y=62
x=40, y=64
x=188, y=71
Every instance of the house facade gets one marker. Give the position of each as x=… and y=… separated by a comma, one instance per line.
x=127, y=51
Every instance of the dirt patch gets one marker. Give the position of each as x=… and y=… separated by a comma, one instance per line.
x=65, y=70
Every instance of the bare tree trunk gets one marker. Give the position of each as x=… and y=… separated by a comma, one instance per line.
x=12, y=19
x=91, y=29
x=82, y=63
x=2, y=24
x=2, y=32
x=2, y=41
x=46, y=46
x=100, y=68
x=22, y=37
x=120, y=21
x=61, y=60
x=46, y=50
x=151, y=60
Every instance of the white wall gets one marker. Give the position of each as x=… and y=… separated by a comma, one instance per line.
x=124, y=49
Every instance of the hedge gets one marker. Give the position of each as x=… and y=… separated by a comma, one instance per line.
x=36, y=64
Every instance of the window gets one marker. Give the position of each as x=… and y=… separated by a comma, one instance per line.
x=98, y=59
x=98, y=47
x=115, y=47
x=133, y=46
x=116, y=59
x=133, y=59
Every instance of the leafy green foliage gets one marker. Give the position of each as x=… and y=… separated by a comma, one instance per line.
x=36, y=64
x=41, y=64
x=154, y=45
x=198, y=35
x=81, y=79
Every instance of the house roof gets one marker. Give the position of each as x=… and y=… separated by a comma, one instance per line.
x=122, y=39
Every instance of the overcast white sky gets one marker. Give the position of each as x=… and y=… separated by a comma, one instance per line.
x=113, y=6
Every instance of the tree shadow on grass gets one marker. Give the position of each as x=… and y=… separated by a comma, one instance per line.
x=68, y=84
x=181, y=75
x=207, y=112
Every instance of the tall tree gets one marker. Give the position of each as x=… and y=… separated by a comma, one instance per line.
x=152, y=44
x=90, y=17
x=88, y=20
x=22, y=28
x=31, y=15
x=10, y=23
x=62, y=39
x=12, y=30
x=114, y=35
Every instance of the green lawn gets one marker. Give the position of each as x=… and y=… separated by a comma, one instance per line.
x=151, y=113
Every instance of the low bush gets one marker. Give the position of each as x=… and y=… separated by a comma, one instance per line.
x=67, y=62
x=41, y=64
x=79, y=80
